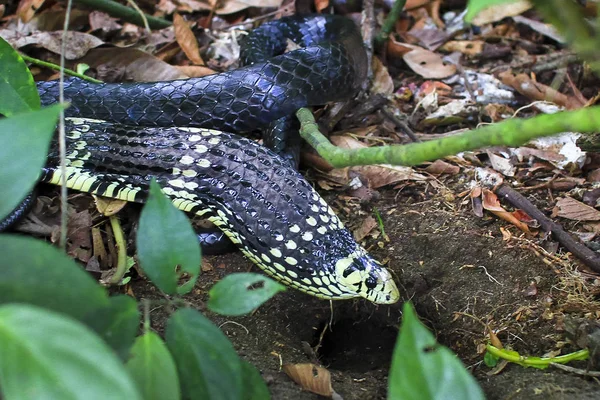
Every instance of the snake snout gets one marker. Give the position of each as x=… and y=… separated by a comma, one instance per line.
x=366, y=277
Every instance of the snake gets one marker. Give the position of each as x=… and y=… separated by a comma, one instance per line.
x=186, y=134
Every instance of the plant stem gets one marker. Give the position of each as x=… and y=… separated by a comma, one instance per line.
x=125, y=13
x=55, y=67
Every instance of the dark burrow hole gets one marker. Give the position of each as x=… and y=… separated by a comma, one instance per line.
x=357, y=346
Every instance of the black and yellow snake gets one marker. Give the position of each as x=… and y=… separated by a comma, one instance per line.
x=261, y=202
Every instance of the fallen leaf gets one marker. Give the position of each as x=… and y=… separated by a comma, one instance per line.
x=569, y=208
x=501, y=164
x=130, y=64
x=99, y=20
x=78, y=43
x=195, y=71
x=186, y=39
x=500, y=11
x=470, y=48
x=107, y=206
x=440, y=167
x=310, y=377
x=233, y=6
x=367, y=225
x=428, y=64
x=382, y=81
x=27, y=9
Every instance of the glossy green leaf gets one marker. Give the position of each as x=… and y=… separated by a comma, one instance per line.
x=153, y=369
x=34, y=272
x=117, y=323
x=167, y=246
x=241, y=293
x=208, y=366
x=45, y=356
x=254, y=385
x=422, y=369
x=474, y=7
x=490, y=360
x=19, y=93
x=24, y=141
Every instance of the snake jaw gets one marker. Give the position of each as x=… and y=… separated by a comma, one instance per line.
x=363, y=275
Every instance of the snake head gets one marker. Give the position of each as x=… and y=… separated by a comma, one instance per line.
x=362, y=274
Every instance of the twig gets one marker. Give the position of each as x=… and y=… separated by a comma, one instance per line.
x=55, y=67
x=586, y=255
x=578, y=371
x=400, y=124
x=390, y=20
x=125, y=13
x=121, y=251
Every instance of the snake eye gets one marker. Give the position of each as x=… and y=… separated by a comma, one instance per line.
x=371, y=281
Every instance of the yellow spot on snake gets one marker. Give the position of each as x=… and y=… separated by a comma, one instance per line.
x=292, y=273
x=279, y=266
x=322, y=230
x=176, y=171
x=295, y=228
x=290, y=244
x=291, y=260
x=265, y=257
x=324, y=218
x=194, y=138
x=177, y=183
x=325, y=291
x=186, y=160
x=190, y=173
x=191, y=130
x=276, y=252
x=200, y=148
x=214, y=140
x=317, y=280
x=311, y=221
x=203, y=163
x=307, y=236
x=191, y=185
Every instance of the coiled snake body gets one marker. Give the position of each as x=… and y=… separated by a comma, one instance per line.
x=263, y=204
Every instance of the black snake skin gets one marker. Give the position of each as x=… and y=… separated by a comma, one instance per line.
x=331, y=67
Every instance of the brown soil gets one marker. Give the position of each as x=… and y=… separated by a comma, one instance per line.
x=459, y=273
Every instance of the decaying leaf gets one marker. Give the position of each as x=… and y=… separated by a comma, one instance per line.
x=470, y=48
x=129, y=64
x=382, y=81
x=440, y=167
x=501, y=164
x=310, y=377
x=186, y=39
x=107, y=206
x=428, y=64
x=568, y=207
x=377, y=175
x=500, y=11
x=492, y=204
x=28, y=8
x=365, y=228
x=78, y=43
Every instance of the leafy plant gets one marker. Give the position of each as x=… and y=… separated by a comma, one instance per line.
x=63, y=337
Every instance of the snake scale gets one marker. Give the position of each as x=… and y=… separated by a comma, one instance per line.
x=254, y=196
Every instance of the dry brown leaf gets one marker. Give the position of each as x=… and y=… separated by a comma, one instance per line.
x=439, y=167
x=365, y=228
x=377, y=175
x=500, y=11
x=186, y=39
x=195, y=71
x=27, y=9
x=107, y=206
x=310, y=377
x=131, y=65
x=382, y=81
x=569, y=208
x=470, y=48
x=233, y=6
x=533, y=90
x=428, y=64
x=103, y=21
x=78, y=43
x=320, y=5
x=490, y=201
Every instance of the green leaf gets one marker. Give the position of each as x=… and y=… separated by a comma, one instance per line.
x=153, y=369
x=33, y=272
x=117, y=323
x=19, y=93
x=474, y=7
x=490, y=360
x=241, y=293
x=423, y=369
x=208, y=366
x=46, y=355
x=254, y=385
x=24, y=141
x=167, y=246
